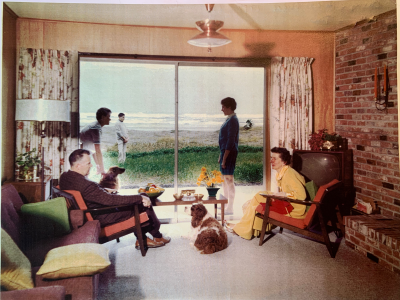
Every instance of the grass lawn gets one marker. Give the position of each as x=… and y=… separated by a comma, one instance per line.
x=158, y=166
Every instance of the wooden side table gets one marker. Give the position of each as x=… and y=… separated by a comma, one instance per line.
x=206, y=200
x=30, y=191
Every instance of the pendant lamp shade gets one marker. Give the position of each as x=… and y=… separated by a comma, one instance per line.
x=209, y=36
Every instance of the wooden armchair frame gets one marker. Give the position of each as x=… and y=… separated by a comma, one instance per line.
x=109, y=233
x=324, y=208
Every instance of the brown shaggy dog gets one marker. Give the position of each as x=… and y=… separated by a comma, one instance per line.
x=110, y=179
x=207, y=233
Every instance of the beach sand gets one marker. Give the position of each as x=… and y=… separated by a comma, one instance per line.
x=252, y=137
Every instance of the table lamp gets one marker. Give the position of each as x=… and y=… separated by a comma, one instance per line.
x=43, y=110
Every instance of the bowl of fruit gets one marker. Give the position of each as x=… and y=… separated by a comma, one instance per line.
x=152, y=190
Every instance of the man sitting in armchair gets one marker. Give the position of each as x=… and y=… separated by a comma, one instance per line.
x=96, y=197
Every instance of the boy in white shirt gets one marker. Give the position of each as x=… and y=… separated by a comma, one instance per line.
x=122, y=137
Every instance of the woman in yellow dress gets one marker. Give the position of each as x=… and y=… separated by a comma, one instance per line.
x=291, y=184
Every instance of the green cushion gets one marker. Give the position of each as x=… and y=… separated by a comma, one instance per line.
x=312, y=190
x=15, y=266
x=46, y=219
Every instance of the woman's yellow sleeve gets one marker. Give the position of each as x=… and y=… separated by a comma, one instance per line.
x=296, y=183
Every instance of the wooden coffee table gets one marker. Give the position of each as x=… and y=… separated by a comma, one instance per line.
x=220, y=199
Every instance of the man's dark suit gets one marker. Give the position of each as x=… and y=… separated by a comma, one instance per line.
x=96, y=197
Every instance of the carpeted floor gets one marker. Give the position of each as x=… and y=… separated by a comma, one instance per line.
x=287, y=266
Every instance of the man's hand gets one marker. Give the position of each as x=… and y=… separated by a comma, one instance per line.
x=125, y=140
x=146, y=201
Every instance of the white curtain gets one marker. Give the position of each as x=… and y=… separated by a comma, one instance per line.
x=47, y=74
x=290, y=106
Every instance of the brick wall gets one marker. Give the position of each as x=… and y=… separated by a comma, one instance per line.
x=376, y=237
x=372, y=134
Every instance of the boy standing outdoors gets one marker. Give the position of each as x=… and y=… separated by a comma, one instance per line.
x=122, y=137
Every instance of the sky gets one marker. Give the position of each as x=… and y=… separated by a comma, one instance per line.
x=150, y=88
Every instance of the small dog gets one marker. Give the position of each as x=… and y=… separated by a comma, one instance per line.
x=207, y=234
x=110, y=181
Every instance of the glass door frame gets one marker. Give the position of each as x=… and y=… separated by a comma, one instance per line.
x=194, y=62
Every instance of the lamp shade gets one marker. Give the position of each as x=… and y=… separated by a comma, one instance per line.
x=209, y=37
x=43, y=110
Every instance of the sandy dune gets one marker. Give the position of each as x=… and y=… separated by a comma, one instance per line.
x=253, y=137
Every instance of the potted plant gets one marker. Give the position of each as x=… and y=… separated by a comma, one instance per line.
x=316, y=140
x=27, y=164
x=210, y=179
x=323, y=140
x=330, y=140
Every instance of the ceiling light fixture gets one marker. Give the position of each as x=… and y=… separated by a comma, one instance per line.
x=209, y=37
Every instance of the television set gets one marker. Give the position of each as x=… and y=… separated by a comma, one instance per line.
x=324, y=166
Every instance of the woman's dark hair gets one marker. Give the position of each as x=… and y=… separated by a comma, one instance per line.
x=284, y=154
x=229, y=102
x=77, y=155
x=102, y=111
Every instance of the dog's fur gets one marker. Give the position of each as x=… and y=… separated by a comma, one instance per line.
x=110, y=179
x=207, y=234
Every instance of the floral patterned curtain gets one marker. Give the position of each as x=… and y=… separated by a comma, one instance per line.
x=47, y=74
x=291, y=105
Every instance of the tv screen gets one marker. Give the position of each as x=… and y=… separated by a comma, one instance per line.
x=321, y=167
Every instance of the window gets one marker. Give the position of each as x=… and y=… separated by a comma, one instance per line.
x=173, y=115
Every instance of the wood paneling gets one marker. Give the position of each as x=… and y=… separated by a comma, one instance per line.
x=8, y=94
x=31, y=32
x=103, y=38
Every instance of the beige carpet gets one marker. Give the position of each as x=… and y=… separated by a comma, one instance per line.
x=287, y=266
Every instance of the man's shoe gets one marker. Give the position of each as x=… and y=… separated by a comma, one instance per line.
x=150, y=244
x=165, y=239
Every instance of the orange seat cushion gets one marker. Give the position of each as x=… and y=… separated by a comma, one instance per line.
x=118, y=227
x=300, y=223
x=318, y=197
x=81, y=203
x=69, y=204
x=282, y=218
x=110, y=229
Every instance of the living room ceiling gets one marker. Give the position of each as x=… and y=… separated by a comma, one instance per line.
x=264, y=15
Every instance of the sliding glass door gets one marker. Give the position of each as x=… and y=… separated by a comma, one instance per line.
x=173, y=115
x=200, y=91
x=145, y=93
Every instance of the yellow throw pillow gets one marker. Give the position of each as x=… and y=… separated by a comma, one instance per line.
x=15, y=266
x=75, y=260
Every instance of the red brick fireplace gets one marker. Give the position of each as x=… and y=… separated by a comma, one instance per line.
x=372, y=134
x=377, y=237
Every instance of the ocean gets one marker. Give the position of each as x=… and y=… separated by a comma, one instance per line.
x=165, y=122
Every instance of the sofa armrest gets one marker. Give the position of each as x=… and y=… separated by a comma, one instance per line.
x=76, y=218
x=82, y=287
x=54, y=292
x=88, y=233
